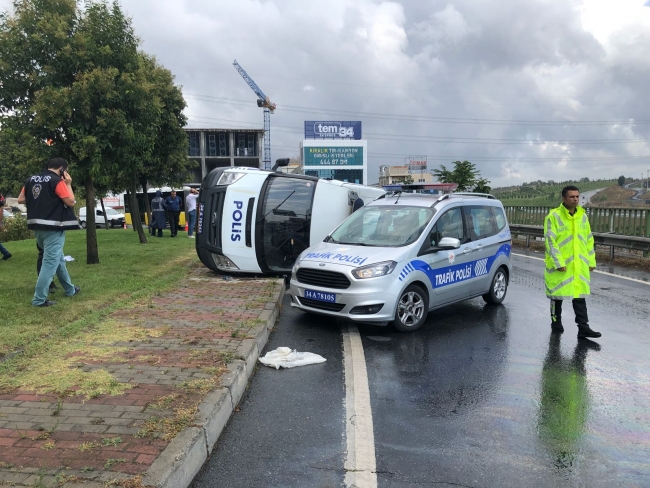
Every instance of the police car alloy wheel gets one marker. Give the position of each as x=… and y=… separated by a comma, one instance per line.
x=498, y=288
x=412, y=309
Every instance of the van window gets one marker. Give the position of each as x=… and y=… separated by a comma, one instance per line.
x=385, y=226
x=450, y=224
x=480, y=221
x=499, y=218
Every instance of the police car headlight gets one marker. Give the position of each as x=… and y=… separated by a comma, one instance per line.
x=374, y=270
x=223, y=262
x=228, y=178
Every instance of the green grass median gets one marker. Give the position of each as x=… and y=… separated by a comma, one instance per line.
x=128, y=273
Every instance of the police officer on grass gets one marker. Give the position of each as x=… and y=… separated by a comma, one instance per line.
x=173, y=206
x=569, y=257
x=49, y=199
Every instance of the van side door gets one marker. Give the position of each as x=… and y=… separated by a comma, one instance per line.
x=450, y=271
x=482, y=228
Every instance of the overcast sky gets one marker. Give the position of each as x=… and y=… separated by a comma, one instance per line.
x=525, y=89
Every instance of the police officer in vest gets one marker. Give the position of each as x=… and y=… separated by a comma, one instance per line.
x=570, y=257
x=49, y=199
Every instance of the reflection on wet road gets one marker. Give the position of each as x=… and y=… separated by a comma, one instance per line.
x=487, y=396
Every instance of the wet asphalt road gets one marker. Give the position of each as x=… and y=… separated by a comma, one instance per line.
x=481, y=396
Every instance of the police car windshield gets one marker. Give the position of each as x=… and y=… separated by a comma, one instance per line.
x=385, y=226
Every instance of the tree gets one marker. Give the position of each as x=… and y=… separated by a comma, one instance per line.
x=76, y=77
x=465, y=175
x=621, y=180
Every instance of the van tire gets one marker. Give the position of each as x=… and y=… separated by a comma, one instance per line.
x=498, y=288
x=83, y=224
x=411, y=310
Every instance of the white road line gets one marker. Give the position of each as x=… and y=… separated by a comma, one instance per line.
x=594, y=271
x=360, y=465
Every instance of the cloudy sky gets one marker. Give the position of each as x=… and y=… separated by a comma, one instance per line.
x=525, y=89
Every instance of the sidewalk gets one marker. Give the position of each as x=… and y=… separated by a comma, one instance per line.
x=181, y=380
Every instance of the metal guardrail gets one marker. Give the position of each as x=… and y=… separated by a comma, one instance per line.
x=602, y=239
x=623, y=221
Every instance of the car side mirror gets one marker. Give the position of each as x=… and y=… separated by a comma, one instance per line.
x=448, y=243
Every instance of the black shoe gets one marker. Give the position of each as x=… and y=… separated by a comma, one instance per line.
x=585, y=331
x=557, y=327
x=76, y=291
x=53, y=287
x=6, y=256
x=46, y=303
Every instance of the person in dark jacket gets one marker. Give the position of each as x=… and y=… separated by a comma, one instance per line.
x=158, y=214
x=173, y=206
x=49, y=199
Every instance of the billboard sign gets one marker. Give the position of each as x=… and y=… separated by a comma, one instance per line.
x=417, y=163
x=332, y=129
x=333, y=156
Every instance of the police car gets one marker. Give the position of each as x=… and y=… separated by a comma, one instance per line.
x=403, y=255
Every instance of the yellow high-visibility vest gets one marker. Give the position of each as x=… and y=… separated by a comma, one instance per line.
x=569, y=242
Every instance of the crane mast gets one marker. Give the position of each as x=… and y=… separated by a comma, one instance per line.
x=268, y=106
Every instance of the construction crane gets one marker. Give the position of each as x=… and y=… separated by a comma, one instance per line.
x=268, y=106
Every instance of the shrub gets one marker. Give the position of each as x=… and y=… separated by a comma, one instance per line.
x=15, y=229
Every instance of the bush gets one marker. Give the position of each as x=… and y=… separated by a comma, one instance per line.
x=15, y=229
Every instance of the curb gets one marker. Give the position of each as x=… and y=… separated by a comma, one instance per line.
x=183, y=458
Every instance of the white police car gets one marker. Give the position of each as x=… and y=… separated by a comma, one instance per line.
x=403, y=255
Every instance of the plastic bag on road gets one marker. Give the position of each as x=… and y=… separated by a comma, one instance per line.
x=285, y=357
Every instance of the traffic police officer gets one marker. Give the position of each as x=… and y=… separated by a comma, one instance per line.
x=570, y=257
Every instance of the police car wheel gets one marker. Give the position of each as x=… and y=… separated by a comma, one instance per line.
x=412, y=309
x=498, y=289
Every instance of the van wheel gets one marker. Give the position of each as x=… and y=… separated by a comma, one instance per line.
x=412, y=309
x=498, y=289
x=83, y=224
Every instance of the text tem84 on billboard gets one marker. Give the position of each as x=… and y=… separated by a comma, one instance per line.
x=332, y=129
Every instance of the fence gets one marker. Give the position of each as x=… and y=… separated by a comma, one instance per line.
x=621, y=221
x=610, y=240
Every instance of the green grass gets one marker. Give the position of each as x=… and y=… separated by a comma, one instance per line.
x=128, y=272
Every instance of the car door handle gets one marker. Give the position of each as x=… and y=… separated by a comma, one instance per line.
x=467, y=250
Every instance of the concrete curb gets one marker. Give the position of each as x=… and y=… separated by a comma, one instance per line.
x=183, y=458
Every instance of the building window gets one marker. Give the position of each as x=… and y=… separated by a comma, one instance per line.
x=195, y=144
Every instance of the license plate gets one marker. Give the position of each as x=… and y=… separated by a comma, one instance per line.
x=200, y=219
x=320, y=296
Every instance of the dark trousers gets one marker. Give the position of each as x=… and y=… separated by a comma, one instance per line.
x=173, y=221
x=579, y=308
x=3, y=249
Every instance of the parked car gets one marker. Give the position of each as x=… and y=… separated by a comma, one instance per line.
x=404, y=255
x=115, y=218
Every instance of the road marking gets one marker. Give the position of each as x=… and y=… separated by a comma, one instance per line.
x=594, y=271
x=360, y=466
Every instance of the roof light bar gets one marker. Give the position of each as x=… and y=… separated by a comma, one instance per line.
x=444, y=187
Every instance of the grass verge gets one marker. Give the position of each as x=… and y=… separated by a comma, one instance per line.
x=128, y=273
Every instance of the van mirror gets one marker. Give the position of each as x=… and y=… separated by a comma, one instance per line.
x=448, y=243
x=280, y=163
x=444, y=244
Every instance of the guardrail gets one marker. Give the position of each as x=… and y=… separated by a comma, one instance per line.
x=602, y=239
x=623, y=221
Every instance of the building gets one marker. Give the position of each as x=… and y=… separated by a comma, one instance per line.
x=218, y=148
x=390, y=175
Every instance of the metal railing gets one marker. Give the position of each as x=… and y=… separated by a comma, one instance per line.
x=614, y=220
x=602, y=239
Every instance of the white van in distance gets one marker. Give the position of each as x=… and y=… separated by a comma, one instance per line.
x=403, y=255
x=115, y=218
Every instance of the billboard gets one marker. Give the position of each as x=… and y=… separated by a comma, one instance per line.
x=333, y=156
x=417, y=163
x=332, y=129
